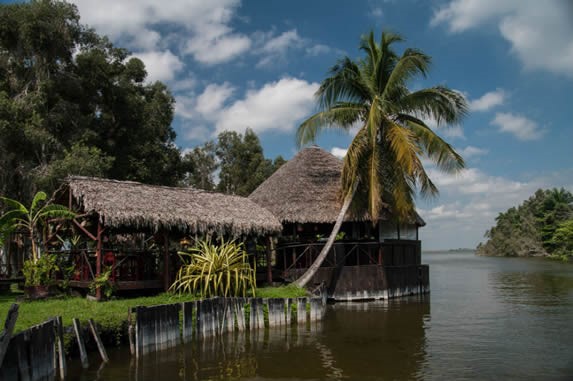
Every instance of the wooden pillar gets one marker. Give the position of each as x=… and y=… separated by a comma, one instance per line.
x=270, y=251
x=98, y=256
x=166, y=277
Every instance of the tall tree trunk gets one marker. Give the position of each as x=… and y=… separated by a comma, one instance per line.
x=309, y=273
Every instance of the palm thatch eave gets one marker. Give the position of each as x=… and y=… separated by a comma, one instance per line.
x=136, y=206
x=306, y=189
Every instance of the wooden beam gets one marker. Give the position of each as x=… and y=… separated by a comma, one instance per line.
x=270, y=250
x=166, y=280
x=98, y=256
x=84, y=230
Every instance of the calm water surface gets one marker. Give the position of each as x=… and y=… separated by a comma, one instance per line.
x=486, y=319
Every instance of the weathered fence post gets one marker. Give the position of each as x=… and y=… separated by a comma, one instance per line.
x=98, y=341
x=6, y=334
x=80, y=339
x=60, y=341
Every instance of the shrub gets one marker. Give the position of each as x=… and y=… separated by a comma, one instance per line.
x=215, y=270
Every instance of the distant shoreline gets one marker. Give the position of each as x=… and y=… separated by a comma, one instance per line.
x=460, y=250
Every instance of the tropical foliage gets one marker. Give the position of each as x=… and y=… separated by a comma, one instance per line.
x=541, y=226
x=383, y=164
x=211, y=269
x=33, y=219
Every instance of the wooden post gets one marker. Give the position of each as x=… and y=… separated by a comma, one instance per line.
x=6, y=334
x=270, y=251
x=166, y=278
x=60, y=341
x=98, y=341
x=98, y=256
x=80, y=339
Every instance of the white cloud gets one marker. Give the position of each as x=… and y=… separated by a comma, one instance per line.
x=212, y=99
x=339, y=152
x=488, y=100
x=160, y=66
x=470, y=151
x=540, y=32
x=217, y=49
x=275, y=106
x=517, y=125
x=318, y=49
x=203, y=25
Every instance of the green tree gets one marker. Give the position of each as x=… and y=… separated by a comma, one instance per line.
x=563, y=240
x=201, y=164
x=242, y=163
x=383, y=163
x=531, y=228
x=64, y=92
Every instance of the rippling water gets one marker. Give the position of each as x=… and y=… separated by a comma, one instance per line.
x=486, y=319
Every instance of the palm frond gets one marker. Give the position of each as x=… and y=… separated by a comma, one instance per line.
x=439, y=103
x=342, y=116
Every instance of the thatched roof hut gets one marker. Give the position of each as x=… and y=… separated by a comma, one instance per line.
x=132, y=205
x=307, y=190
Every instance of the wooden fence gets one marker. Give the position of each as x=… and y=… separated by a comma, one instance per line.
x=31, y=354
x=159, y=327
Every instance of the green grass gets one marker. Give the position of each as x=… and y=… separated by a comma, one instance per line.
x=288, y=291
x=110, y=315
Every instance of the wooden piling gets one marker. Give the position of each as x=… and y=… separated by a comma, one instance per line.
x=80, y=340
x=301, y=313
x=98, y=341
x=188, y=309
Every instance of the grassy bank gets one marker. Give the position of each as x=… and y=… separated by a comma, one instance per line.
x=110, y=315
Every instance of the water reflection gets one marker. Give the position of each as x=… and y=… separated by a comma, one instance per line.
x=379, y=340
x=376, y=340
x=532, y=288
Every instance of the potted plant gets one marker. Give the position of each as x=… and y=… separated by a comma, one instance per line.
x=39, y=275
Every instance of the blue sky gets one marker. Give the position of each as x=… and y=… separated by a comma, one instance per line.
x=233, y=64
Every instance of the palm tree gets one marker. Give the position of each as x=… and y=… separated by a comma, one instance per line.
x=384, y=160
x=30, y=219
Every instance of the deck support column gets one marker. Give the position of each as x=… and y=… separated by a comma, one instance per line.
x=270, y=252
x=166, y=278
x=98, y=256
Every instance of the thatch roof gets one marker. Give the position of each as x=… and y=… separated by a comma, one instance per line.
x=132, y=205
x=306, y=189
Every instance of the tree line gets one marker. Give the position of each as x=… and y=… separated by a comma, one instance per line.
x=541, y=226
x=73, y=103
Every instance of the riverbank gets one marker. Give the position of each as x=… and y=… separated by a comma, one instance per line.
x=110, y=316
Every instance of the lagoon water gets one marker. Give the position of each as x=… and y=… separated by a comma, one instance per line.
x=485, y=319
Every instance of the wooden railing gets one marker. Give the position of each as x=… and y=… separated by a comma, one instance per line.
x=389, y=253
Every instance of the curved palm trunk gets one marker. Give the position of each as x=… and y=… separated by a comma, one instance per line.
x=309, y=273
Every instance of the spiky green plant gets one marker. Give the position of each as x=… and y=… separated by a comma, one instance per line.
x=211, y=269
